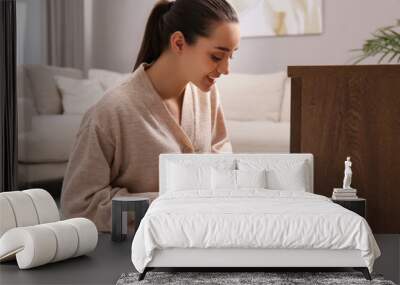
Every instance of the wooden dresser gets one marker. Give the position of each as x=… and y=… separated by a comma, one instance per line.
x=340, y=111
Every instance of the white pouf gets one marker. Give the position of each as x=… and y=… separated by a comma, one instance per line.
x=46, y=207
x=40, y=244
x=33, y=246
x=30, y=230
x=67, y=240
x=23, y=208
x=87, y=233
x=7, y=220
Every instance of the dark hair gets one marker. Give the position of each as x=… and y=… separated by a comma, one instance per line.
x=191, y=17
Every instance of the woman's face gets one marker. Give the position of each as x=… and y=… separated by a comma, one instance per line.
x=204, y=61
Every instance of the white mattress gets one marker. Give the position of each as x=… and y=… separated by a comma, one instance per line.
x=251, y=218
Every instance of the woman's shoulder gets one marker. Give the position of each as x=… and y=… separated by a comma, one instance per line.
x=122, y=100
x=124, y=92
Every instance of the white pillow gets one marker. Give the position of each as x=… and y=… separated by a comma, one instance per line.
x=107, y=79
x=182, y=177
x=78, y=95
x=223, y=179
x=293, y=179
x=282, y=174
x=260, y=93
x=251, y=178
x=236, y=179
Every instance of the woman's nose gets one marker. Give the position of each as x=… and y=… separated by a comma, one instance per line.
x=223, y=68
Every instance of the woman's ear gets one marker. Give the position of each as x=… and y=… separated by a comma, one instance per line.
x=177, y=42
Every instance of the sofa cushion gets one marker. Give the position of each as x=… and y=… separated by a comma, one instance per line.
x=66, y=71
x=43, y=86
x=50, y=140
x=78, y=95
x=26, y=110
x=260, y=93
x=259, y=136
x=285, y=109
x=31, y=173
x=24, y=88
x=108, y=79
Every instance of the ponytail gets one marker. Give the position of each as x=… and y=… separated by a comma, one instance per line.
x=193, y=18
x=153, y=43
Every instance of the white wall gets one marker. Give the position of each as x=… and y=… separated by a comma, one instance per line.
x=118, y=28
x=346, y=24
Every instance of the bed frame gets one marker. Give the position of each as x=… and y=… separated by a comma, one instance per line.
x=241, y=259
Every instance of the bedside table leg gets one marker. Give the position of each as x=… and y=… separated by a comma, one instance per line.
x=116, y=231
x=140, y=211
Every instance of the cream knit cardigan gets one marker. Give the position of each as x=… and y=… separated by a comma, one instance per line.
x=120, y=138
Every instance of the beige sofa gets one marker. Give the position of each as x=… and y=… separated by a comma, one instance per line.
x=45, y=134
x=256, y=109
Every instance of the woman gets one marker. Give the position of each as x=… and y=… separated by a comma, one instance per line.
x=169, y=104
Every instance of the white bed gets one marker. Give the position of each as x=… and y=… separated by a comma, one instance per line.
x=200, y=220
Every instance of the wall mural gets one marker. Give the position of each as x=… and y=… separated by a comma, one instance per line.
x=279, y=17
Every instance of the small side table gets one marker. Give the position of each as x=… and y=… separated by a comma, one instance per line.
x=357, y=205
x=120, y=208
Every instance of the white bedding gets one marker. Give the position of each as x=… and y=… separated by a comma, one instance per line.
x=250, y=218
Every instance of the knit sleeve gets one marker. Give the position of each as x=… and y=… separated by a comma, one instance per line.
x=86, y=188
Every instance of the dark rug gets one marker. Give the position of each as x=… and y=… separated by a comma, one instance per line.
x=230, y=278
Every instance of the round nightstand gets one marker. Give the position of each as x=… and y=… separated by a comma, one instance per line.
x=120, y=208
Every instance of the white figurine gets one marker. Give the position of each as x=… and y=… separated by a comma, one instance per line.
x=347, y=174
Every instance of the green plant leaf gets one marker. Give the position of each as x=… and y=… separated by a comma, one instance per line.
x=384, y=41
x=392, y=57
x=360, y=58
x=383, y=56
x=395, y=33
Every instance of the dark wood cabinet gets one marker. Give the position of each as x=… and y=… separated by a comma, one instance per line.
x=340, y=111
